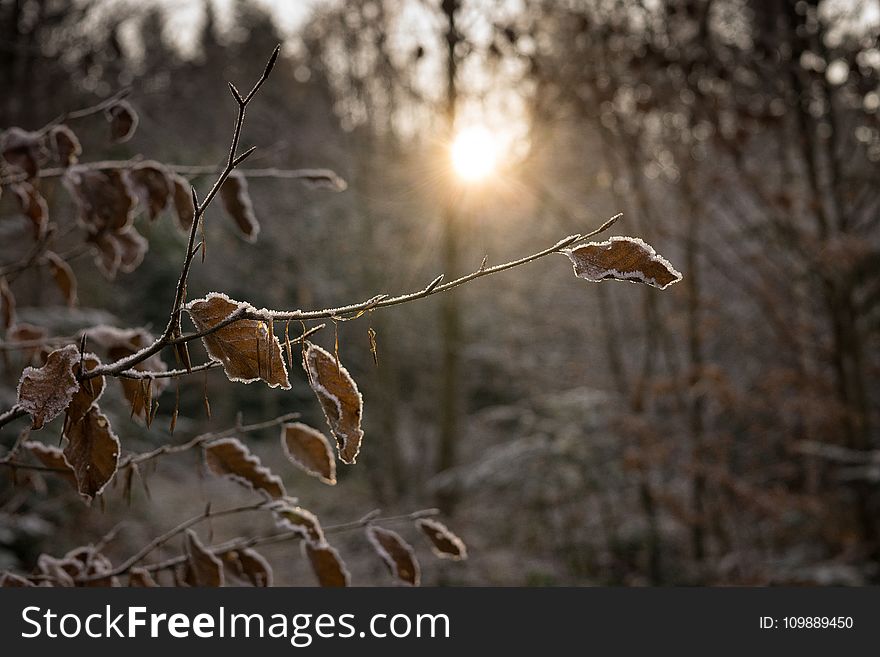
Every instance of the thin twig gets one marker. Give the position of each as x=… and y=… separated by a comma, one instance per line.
x=87, y=111
x=375, y=302
x=12, y=414
x=172, y=330
x=170, y=534
x=326, y=178
x=383, y=301
x=242, y=543
x=168, y=374
x=137, y=459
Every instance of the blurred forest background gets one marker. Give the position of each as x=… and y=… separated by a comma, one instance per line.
x=724, y=431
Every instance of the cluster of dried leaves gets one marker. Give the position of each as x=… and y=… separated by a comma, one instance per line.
x=70, y=381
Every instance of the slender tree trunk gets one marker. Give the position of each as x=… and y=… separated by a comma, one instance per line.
x=450, y=320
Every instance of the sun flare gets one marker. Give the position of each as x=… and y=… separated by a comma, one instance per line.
x=475, y=153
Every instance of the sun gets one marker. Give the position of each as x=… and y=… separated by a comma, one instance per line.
x=475, y=153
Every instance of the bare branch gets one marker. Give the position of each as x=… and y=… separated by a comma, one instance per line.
x=242, y=543
x=86, y=111
x=137, y=459
x=327, y=178
x=142, y=375
x=12, y=414
x=160, y=540
x=378, y=301
x=172, y=329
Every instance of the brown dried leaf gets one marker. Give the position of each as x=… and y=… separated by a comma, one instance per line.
x=93, y=451
x=309, y=449
x=123, y=121
x=120, y=343
x=122, y=250
x=396, y=553
x=21, y=149
x=46, y=391
x=22, y=332
x=246, y=348
x=108, y=254
x=104, y=198
x=444, y=543
x=339, y=397
x=132, y=248
x=51, y=457
x=326, y=564
x=65, y=145
x=248, y=565
x=184, y=210
x=91, y=563
x=33, y=206
x=152, y=186
x=230, y=457
x=11, y=580
x=141, y=578
x=237, y=204
x=624, y=259
x=323, y=179
x=204, y=568
x=300, y=520
x=61, y=571
x=64, y=277
x=89, y=392
x=7, y=303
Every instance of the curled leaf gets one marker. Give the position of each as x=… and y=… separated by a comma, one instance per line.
x=230, y=457
x=132, y=248
x=295, y=518
x=46, y=391
x=339, y=397
x=309, y=449
x=123, y=121
x=246, y=348
x=11, y=580
x=141, y=578
x=204, y=569
x=248, y=565
x=184, y=210
x=60, y=571
x=444, y=543
x=323, y=179
x=104, y=198
x=21, y=149
x=120, y=343
x=108, y=253
x=65, y=145
x=397, y=554
x=237, y=204
x=622, y=258
x=117, y=251
x=33, y=206
x=51, y=457
x=22, y=332
x=93, y=452
x=64, y=277
x=90, y=563
x=90, y=390
x=326, y=564
x=152, y=186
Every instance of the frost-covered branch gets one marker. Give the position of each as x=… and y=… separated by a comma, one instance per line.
x=324, y=177
x=172, y=329
x=137, y=459
x=380, y=301
x=255, y=541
